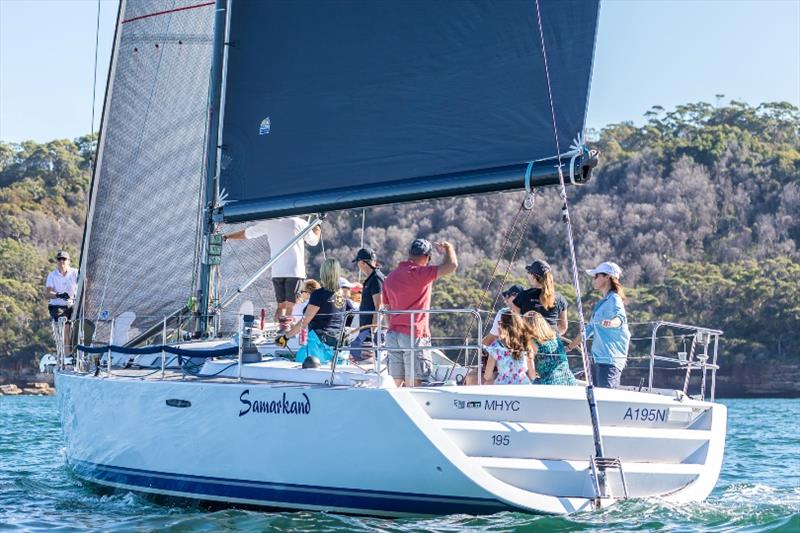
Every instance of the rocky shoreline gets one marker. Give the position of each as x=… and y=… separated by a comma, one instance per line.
x=36, y=388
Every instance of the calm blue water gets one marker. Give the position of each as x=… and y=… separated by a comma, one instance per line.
x=759, y=489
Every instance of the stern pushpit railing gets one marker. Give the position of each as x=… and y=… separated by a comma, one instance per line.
x=704, y=346
x=60, y=340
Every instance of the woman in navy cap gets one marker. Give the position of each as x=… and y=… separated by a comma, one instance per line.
x=542, y=297
x=508, y=296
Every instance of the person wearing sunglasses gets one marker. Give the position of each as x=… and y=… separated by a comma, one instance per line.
x=299, y=309
x=371, y=300
x=608, y=327
x=60, y=288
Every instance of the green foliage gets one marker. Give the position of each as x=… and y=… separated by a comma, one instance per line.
x=476, y=288
x=756, y=304
x=42, y=207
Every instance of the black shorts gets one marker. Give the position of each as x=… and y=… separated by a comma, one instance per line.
x=57, y=311
x=286, y=289
x=606, y=376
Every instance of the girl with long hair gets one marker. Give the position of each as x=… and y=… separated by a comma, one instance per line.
x=608, y=327
x=550, y=358
x=511, y=353
x=542, y=297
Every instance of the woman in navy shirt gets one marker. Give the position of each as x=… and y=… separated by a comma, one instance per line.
x=542, y=297
x=325, y=312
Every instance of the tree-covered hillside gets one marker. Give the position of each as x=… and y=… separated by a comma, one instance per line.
x=42, y=208
x=700, y=206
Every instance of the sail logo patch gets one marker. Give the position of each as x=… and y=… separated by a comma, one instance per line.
x=265, y=126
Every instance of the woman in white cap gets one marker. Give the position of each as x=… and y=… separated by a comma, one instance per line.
x=608, y=327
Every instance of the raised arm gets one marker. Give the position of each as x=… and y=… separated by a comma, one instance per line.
x=312, y=238
x=450, y=263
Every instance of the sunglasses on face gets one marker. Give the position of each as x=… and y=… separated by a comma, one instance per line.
x=599, y=274
x=63, y=259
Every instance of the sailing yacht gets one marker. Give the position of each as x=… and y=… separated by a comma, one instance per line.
x=221, y=113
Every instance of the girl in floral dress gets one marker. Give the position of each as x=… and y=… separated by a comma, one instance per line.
x=550, y=359
x=511, y=353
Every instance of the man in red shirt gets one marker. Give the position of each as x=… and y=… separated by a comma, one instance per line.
x=408, y=288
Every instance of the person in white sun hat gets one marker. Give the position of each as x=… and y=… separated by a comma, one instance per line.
x=608, y=327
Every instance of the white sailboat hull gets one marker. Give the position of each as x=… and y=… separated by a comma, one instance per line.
x=384, y=451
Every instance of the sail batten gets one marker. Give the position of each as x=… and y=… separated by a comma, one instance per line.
x=380, y=96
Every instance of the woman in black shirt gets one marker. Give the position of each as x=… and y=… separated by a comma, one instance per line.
x=325, y=312
x=542, y=297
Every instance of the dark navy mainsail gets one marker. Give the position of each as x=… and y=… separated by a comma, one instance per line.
x=332, y=105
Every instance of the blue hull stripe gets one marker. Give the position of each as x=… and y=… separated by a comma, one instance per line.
x=289, y=495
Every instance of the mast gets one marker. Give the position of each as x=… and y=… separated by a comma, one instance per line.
x=211, y=248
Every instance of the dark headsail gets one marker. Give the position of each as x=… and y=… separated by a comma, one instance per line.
x=331, y=105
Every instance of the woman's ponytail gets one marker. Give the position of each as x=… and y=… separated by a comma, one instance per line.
x=617, y=287
x=548, y=295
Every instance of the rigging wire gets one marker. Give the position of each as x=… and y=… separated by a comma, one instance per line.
x=563, y=195
x=363, y=224
x=598, y=441
x=94, y=80
x=485, y=292
x=92, y=160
